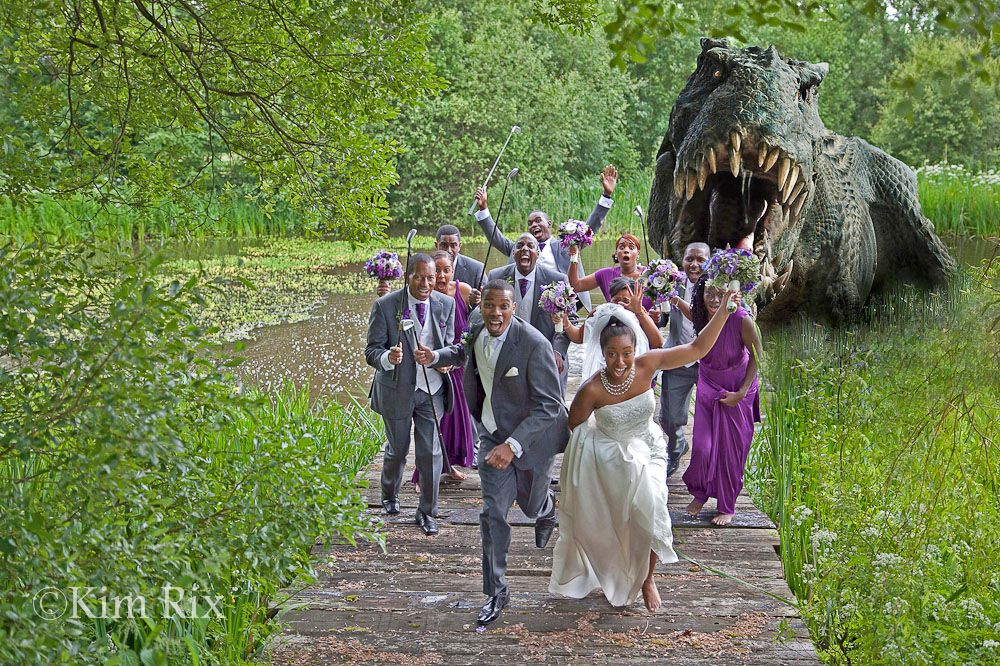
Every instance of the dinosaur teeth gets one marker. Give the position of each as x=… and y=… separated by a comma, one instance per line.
x=786, y=165
x=793, y=175
x=799, y=186
x=679, y=184
x=785, y=216
x=736, y=139
x=691, y=184
x=734, y=161
x=772, y=157
x=710, y=158
x=782, y=280
x=702, y=174
x=761, y=154
x=799, y=202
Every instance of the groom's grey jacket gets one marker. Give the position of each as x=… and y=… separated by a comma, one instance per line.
x=526, y=397
x=393, y=398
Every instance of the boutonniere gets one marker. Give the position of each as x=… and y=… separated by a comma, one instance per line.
x=466, y=339
x=510, y=280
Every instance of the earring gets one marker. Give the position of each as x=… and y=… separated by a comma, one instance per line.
x=614, y=258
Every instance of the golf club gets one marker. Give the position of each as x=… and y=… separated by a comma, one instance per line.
x=496, y=222
x=513, y=130
x=642, y=220
x=406, y=287
x=407, y=325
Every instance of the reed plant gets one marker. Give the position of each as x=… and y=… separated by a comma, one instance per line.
x=877, y=459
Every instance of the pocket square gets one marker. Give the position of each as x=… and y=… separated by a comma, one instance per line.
x=512, y=373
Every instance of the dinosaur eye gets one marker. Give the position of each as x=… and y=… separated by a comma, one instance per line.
x=717, y=74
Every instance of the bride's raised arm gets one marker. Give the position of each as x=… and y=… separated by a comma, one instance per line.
x=674, y=357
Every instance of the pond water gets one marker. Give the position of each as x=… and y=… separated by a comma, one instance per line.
x=327, y=351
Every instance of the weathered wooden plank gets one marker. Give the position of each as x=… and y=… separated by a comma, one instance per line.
x=416, y=603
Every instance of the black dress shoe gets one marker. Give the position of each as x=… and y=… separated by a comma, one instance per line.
x=544, y=526
x=491, y=610
x=427, y=524
x=390, y=506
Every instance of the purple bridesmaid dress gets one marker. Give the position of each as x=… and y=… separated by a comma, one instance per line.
x=720, y=443
x=456, y=425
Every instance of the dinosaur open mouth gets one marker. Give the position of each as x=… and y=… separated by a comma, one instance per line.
x=738, y=194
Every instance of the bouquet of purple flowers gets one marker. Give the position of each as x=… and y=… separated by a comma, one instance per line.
x=384, y=266
x=557, y=298
x=574, y=233
x=663, y=280
x=736, y=269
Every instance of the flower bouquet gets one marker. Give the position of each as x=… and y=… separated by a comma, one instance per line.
x=663, y=280
x=384, y=266
x=557, y=298
x=736, y=269
x=574, y=233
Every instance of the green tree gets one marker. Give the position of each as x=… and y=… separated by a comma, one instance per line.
x=129, y=101
x=930, y=114
x=504, y=68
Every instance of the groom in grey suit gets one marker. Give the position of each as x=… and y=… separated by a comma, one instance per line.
x=551, y=254
x=401, y=394
x=512, y=388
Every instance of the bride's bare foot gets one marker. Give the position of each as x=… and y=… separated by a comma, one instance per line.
x=650, y=595
x=694, y=508
x=456, y=475
x=722, y=519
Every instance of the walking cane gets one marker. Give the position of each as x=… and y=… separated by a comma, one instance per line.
x=513, y=130
x=496, y=223
x=406, y=287
x=642, y=220
x=407, y=325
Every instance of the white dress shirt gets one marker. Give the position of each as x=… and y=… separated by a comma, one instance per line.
x=487, y=367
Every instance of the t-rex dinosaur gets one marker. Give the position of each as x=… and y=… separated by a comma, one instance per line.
x=747, y=162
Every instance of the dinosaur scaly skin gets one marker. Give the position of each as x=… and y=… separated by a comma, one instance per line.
x=748, y=162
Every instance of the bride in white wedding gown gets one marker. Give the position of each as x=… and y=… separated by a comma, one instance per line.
x=614, y=524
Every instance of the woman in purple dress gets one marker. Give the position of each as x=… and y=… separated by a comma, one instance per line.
x=726, y=407
x=456, y=425
x=626, y=257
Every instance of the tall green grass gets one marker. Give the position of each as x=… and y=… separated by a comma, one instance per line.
x=878, y=460
x=83, y=219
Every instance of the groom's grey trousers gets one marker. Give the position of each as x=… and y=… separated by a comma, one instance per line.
x=427, y=450
x=500, y=488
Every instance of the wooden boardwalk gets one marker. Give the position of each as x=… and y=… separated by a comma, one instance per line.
x=417, y=603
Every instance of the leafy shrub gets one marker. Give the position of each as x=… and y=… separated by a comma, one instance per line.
x=129, y=461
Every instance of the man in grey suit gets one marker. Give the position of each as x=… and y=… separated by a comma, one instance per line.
x=512, y=387
x=675, y=396
x=551, y=254
x=401, y=393
x=528, y=278
x=467, y=269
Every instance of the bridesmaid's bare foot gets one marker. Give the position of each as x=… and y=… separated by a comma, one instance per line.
x=722, y=519
x=416, y=488
x=694, y=508
x=456, y=475
x=650, y=595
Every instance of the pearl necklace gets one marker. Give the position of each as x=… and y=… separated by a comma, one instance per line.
x=617, y=389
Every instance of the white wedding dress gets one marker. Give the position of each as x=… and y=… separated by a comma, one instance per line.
x=613, y=504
